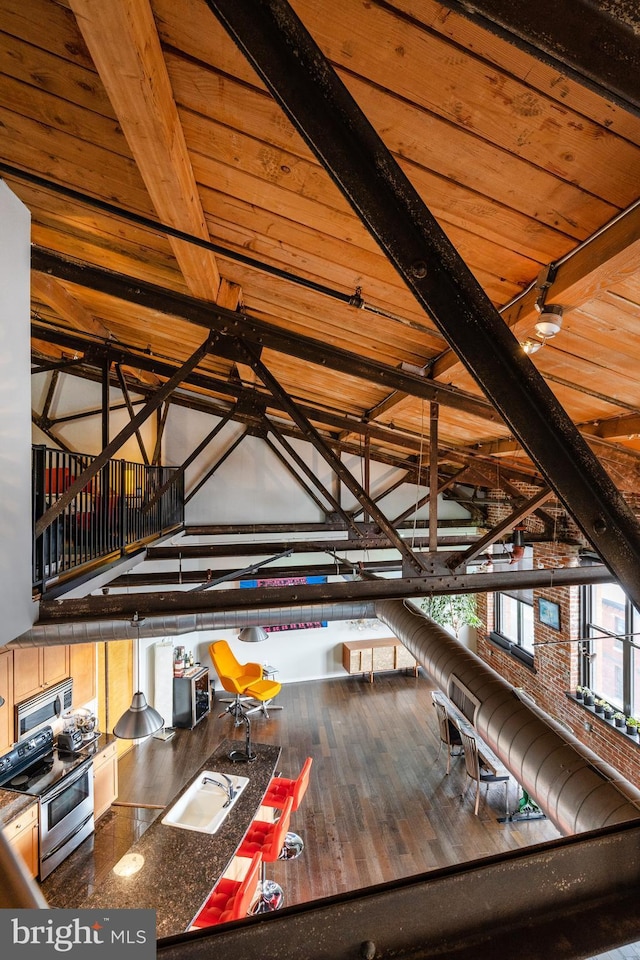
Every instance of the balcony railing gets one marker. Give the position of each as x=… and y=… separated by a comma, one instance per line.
x=117, y=510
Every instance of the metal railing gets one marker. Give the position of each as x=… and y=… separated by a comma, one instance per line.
x=117, y=509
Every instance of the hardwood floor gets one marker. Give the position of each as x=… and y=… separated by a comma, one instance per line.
x=379, y=806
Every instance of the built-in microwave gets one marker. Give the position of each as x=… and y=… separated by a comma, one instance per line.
x=45, y=708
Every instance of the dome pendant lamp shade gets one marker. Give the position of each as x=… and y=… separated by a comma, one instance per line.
x=253, y=634
x=140, y=720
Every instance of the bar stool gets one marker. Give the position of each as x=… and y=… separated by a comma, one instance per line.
x=267, y=838
x=278, y=791
x=230, y=899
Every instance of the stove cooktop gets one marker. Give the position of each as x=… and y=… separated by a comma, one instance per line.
x=33, y=766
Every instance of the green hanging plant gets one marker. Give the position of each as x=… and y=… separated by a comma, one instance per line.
x=453, y=610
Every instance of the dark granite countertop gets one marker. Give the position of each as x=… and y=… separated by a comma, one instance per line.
x=12, y=804
x=101, y=743
x=181, y=866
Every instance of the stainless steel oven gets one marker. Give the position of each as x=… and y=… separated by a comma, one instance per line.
x=63, y=784
x=66, y=816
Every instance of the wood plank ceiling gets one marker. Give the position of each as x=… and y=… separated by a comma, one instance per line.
x=149, y=107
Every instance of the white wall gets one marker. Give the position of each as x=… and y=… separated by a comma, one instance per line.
x=311, y=654
x=15, y=417
x=253, y=487
x=74, y=395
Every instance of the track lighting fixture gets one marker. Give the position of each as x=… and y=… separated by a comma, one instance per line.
x=550, y=322
x=531, y=346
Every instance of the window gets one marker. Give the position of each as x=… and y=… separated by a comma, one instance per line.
x=610, y=657
x=514, y=618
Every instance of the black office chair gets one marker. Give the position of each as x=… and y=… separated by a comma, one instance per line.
x=449, y=734
x=476, y=773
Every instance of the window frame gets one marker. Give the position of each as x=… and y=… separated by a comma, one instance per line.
x=515, y=646
x=588, y=648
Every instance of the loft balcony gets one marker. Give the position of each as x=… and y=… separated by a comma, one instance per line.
x=124, y=506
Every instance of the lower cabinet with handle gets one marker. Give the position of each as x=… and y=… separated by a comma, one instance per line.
x=105, y=779
x=22, y=834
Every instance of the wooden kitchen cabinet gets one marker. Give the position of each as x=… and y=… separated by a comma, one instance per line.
x=36, y=668
x=82, y=668
x=373, y=656
x=105, y=779
x=22, y=834
x=6, y=710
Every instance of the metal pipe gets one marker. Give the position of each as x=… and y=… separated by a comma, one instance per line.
x=96, y=631
x=575, y=788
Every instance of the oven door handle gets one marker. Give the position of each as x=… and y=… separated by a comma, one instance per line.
x=68, y=781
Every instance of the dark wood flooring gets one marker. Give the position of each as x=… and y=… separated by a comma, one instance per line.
x=379, y=806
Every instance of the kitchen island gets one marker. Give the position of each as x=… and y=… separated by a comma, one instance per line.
x=180, y=867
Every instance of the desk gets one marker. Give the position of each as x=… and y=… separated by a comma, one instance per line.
x=182, y=866
x=488, y=758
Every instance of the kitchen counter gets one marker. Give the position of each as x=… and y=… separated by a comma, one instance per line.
x=181, y=866
x=12, y=804
x=96, y=746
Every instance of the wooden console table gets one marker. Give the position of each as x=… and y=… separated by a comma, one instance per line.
x=373, y=656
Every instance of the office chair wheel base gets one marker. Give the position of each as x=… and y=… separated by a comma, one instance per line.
x=271, y=897
x=292, y=848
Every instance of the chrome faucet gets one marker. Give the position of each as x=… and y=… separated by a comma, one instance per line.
x=228, y=788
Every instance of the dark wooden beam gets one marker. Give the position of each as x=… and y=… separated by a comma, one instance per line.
x=215, y=318
x=127, y=431
x=323, y=111
x=327, y=454
x=225, y=456
x=596, y=44
x=187, y=463
x=180, y=603
x=127, y=399
x=459, y=560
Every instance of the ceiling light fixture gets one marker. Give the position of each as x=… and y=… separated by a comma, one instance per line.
x=140, y=720
x=550, y=322
x=253, y=635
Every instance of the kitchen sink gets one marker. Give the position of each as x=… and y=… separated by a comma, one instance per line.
x=206, y=804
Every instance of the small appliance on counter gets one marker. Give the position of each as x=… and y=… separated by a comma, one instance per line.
x=70, y=741
x=80, y=722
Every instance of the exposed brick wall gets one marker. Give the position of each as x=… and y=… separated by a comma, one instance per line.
x=555, y=670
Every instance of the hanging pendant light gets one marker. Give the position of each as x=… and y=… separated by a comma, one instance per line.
x=140, y=720
x=253, y=635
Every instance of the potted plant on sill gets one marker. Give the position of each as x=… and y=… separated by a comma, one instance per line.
x=608, y=711
x=632, y=726
x=588, y=697
x=619, y=719
x=579, y=693
x=600, y=706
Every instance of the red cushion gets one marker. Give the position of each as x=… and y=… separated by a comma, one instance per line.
x=279, y=789
x=219, y=905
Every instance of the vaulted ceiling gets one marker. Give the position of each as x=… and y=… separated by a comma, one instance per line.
x=177, y=189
